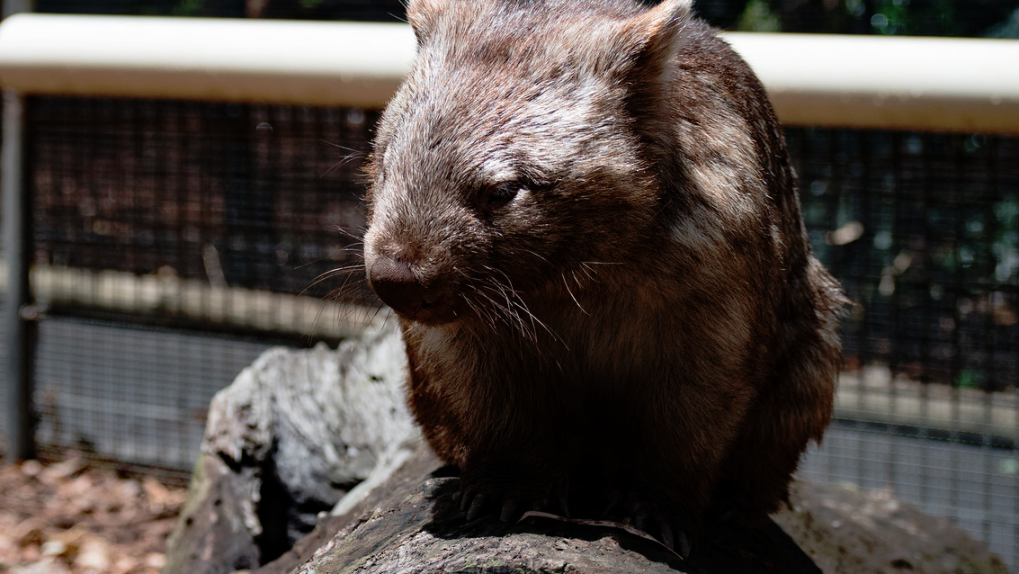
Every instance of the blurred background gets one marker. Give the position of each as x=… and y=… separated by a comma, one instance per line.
x=172, y=240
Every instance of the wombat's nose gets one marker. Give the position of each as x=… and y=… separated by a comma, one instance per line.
x=394, y=282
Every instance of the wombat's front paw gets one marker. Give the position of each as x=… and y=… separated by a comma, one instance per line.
x=511, y=497
x=672, y=527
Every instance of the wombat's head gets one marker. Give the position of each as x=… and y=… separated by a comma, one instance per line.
x=515, y=157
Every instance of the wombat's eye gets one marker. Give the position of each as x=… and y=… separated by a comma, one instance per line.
x=498, y=195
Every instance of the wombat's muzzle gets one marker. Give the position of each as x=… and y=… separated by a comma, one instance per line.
x=395, y=282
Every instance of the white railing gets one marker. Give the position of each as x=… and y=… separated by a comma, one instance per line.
x=851, y=81
x=317, y=63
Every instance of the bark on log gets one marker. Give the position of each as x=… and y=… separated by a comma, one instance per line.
x=298, y=429
x=413, y=524
x=293, y=434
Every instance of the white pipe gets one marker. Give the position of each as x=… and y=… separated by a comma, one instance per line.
x=315, y=63
x=852, y=81
x=888, y=82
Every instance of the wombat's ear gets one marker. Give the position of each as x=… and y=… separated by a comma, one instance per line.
x=423, y=16
x=655, y=36
x=645, y=46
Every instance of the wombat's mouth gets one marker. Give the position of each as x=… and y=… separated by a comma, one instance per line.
x=431, y=313
x=427, y=312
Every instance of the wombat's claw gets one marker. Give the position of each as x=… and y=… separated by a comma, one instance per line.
x=682, y=546
x=615, y=498
x=640, y=518
x=666, y=530
x=477, y=507
x=651, y=522
x=678, y=542
x=564, y=505
x=509, y=510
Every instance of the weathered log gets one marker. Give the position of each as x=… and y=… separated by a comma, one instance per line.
x=293, y=434
x=298, y=429
x=413, y=523
x=845, y=529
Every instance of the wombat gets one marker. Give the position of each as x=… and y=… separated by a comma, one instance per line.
x=584, y=216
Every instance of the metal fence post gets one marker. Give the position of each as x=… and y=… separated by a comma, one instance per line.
x=19, y=316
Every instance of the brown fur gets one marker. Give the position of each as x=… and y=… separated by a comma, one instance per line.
x=644, y=313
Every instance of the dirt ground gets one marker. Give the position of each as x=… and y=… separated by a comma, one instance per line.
x=71, y=517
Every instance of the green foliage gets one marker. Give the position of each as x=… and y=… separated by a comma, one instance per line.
x=968, y=379
x=759, y=17
x=963, y=18
x=901, y=17
x=188, y=8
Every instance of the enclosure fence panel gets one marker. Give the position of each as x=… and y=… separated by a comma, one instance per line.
x=923, y=231
x=174, y=241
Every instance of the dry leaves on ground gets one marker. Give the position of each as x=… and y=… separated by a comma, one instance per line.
x=73, y=518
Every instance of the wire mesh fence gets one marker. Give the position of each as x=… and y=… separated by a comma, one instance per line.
x=175, y=241
x=132, y=394
x=923, y=230
x=247, y=196
x=972, y=484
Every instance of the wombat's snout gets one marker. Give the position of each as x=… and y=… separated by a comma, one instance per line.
x=396, y=284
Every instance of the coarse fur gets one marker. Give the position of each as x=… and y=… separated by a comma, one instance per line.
x=584, y=213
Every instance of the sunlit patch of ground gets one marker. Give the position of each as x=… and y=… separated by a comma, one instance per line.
x=74, y=518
